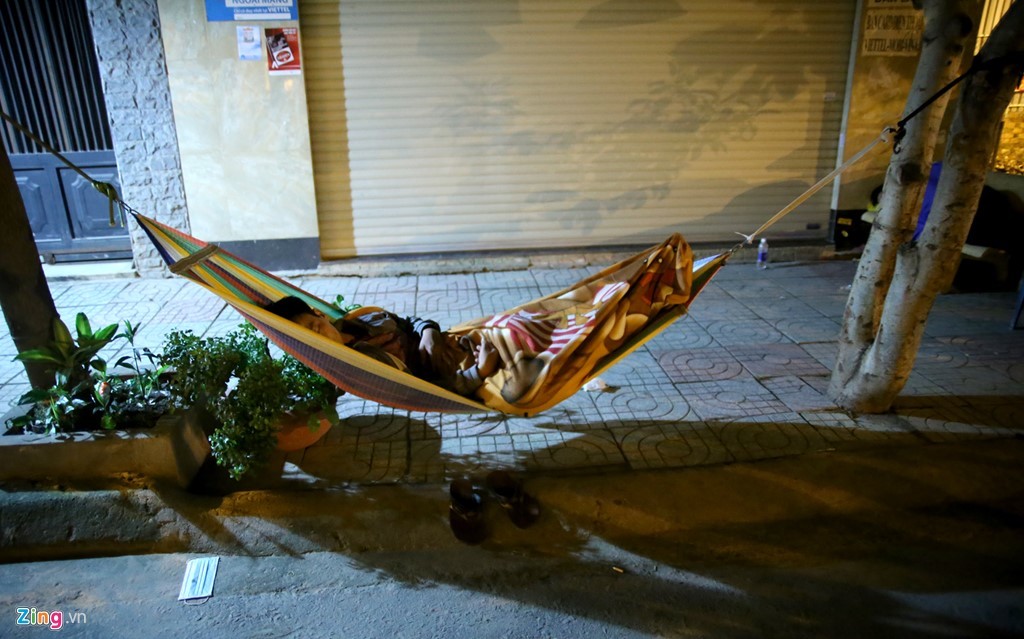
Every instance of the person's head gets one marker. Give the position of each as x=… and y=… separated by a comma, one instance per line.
x=296, y=310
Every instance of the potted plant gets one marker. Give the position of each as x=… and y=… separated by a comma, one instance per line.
x=99, y=420
x=88, y=395
x=249, y=395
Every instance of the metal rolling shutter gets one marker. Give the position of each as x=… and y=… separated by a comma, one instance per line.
x=480, y=124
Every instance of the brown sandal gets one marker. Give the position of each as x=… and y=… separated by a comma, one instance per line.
x=466, y=512
x=523, y=509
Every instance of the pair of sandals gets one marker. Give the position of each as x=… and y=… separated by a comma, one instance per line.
x=466, y=512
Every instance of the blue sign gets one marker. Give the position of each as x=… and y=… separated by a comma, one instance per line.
x=231, y=10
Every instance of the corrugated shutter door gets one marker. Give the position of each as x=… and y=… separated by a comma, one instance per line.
x=502, y=124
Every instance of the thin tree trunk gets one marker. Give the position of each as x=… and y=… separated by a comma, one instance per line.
x=24, y=295
x=877, y=352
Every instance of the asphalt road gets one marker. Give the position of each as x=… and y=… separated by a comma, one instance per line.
x=921, y=541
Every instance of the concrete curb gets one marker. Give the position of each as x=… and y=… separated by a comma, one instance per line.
x=60, y=524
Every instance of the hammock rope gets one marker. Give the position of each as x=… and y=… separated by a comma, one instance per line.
x=817, y=186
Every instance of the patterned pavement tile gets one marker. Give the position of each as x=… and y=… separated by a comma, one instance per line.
x=10, y=392
x=91, y=293
x=363, y=420
x=455, y=425
x=700, y=365
x=448, y=307
x=825, y=352
x=955, y=325
x=771, y=360
x=578, y=413
x=962, y=381
x=707, y=311
x=497, y=300
x=7, y=348
x=812, y=286
x=203, y=309
x=491, y=280
x=643, y=404
x=767, y=436
x=801, y=330
x=950, y=421
x=839, y=429
x=455, y=285
x=838, y=271
x=596, y=449
x=670, y=445
x=114, y=312
x=376, y=291
x=831, y=306
x=685, y=333
x=737, y=332
x=633, y=371
x=730, y=399
x=797, y=394
x=934, y=354
x=554, y=280
x=365, y=462
x=328, y=288
x=754, y=289
x=153, y=290
x=997, y=349
x=781, y=307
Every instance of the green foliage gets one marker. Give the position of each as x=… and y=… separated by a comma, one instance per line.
x=85, y=396
x=339, y=303
x=247, y=390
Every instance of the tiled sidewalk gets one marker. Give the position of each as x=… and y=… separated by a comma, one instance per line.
x=742, y=378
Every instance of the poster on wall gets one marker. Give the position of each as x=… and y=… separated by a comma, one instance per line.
x=892, y=28
x=231, y=10
x=283, y=51
x=250, y=46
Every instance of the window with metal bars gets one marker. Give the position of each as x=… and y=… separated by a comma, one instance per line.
x=49, y=80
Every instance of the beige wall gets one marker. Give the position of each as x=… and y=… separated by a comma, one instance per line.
x=243, y=135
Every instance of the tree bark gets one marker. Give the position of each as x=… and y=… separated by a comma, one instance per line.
x=24, y=294
x=884, y=322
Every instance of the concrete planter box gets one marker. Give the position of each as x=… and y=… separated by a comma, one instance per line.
x=172, y=451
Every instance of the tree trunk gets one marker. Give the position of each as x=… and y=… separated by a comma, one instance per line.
x=24, y=295
x=884, y=322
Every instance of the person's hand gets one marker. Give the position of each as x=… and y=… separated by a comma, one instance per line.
x=435, y=353
x=487, y=359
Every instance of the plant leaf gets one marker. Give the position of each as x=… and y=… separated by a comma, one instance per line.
x=105, y=334
x=62, y=337
x=38, y=355
x=82, y=326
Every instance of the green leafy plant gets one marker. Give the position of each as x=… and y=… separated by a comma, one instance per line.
x=339, y=303
x=85, y=395
x=237, y=380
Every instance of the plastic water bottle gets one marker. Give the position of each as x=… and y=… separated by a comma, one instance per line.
x=762, y=254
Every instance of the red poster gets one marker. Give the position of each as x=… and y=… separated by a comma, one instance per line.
x=283, y=51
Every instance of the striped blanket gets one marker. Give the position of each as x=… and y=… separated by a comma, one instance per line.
x=550, y=346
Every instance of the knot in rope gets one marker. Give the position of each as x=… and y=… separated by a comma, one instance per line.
x=108, y=191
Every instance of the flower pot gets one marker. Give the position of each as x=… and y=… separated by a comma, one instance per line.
x=296, y=434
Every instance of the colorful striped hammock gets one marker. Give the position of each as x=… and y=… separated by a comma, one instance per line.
x=577, y=333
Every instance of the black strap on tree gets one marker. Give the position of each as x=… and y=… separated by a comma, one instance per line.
x=976, y=65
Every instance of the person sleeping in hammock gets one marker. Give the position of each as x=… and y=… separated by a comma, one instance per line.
x=413, y=345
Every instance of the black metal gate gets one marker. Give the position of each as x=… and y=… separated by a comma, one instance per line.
x=50, y=82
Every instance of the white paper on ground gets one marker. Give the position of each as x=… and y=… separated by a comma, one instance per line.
x=199, y=576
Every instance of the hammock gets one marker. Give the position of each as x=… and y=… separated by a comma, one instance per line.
x=575, y=334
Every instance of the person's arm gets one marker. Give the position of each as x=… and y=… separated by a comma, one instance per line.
x=465, y=382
